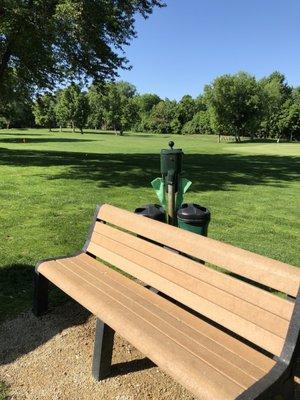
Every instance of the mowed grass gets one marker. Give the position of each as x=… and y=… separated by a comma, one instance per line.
x=51, y=183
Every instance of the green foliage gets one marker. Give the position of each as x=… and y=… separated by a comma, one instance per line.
x=289, y=120
x=164, y=117
x=96, y=114
x=275, y=93
x=200, y=123
x=236, y=102
x=186, y=109
x=43, y=42
x=237, y=105
x=120, y=111
x=66, y=106
x=44, y=111
x=82, y=111
x=146, y=102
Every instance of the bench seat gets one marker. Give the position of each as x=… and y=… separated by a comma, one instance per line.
x=218, y=329
x=203, y=358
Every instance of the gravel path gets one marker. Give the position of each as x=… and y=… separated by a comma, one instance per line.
x=50, y=358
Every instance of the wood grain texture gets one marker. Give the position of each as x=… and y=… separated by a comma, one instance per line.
x=177, y=290
x=205, y=360
x=271, y=273
x=252, y=294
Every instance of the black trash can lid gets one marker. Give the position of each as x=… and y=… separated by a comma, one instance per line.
x=154, y=211
x=191, y=212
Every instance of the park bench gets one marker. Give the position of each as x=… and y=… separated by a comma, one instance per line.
x=221, y=335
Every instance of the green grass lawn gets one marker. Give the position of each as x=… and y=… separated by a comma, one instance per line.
x=51, y=182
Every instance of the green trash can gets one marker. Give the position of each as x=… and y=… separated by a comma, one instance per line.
x=194, y=218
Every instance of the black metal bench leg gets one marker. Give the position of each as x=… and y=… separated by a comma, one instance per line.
x=104, y=340
x=40, y=296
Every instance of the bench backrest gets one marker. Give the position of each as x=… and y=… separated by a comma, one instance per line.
x=251, y=312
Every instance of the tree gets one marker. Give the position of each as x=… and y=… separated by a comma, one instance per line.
x=164, y=117
x=145, y=103
x=66, y=105
x=201, y=123
x=186, y=109
x=82, y=111
x=16, y=103
x=96, y=114
x=43, y=110
x=17, y=113
x=119, y=108
x=236, y=101
x=275, y=93
x=289, y=120
x=45, y=41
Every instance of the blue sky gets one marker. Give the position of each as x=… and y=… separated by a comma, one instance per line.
x=182, y=47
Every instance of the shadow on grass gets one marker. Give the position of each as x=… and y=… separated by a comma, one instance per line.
x=45, y=140
x=16, y=289
x=208, y=172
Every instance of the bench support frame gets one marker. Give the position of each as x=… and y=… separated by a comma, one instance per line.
x=280, y=380
x=40, y=296
x=103, y=349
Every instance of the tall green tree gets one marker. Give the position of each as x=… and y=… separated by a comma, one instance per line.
x=66, y=106
x=96, y=114
x=45, y=41
x=236, y=101
x=81, y=112
x=275, y=93
x=187, y=108
x=44, y=111
x=200, y=123
x=164, y=117
x=145, y=103
x=119, y=108
x=289, y=120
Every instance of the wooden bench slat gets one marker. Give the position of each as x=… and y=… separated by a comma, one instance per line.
x=238, y=306
x=254, y=295
x=239, y=354
x=180, y=289
x=121, y=312
x=244, y=328
x=272, y=273
x=122, y=296
x=202, y=380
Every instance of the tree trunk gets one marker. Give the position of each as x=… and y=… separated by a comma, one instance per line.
x=219, y=138
x=81, y=131
x=60, y=128
x=73, y=126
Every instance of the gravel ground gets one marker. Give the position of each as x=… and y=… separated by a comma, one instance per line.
x=50, y=358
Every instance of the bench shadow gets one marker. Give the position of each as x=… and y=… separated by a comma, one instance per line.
x=25, y=333
x=124, y=368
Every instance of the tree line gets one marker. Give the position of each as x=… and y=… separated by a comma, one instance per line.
x=236, y=105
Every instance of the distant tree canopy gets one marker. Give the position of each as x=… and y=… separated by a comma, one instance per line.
x=235, y=105
x=43, y=42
